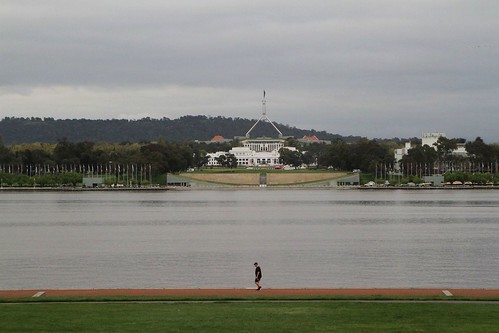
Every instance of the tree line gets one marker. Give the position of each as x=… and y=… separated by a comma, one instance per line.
x=66, y=156
x=479, y=157
x=141, y=162
x=377, y=157
x=187, y=128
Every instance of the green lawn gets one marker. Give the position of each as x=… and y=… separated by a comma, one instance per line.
x=249, y=317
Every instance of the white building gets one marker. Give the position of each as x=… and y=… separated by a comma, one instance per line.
x=431, y=138
x=254, y=153
x=263, y=144
x=401, y=152
x=460, y=150
x=212, y=158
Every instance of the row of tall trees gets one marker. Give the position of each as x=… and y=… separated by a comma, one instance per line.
x=161, y=157
x=363, y=154
x=479, y=156
x=89, y=157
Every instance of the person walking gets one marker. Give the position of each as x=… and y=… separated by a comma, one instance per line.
x=258, y=276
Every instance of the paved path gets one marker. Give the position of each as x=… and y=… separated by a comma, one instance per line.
x=249, y=292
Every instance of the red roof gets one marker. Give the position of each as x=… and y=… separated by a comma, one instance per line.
x=311, y=138
x=217, y=138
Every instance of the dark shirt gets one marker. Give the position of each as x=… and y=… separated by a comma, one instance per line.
x=258, y=272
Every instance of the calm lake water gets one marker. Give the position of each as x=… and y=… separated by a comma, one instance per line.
x=211, y=238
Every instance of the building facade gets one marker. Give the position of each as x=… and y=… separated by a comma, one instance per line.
x=429, y=139
x=401, y=152
x=259, y=152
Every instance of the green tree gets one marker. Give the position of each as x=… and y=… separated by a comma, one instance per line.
x=6, y=156
x=222, y=160
x=445, y=147
x=154, y=155
x=231, y=161
x=290, y=157
x=227, y=161
x=335, y=155
x=421, y=155
x=66, y=153
x=366, y=155
x=480, y=151
x=422, y=158
x=35, y=157
x=200, y=158
x=308, y=158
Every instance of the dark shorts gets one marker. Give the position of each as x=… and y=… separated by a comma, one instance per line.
x=257, y=280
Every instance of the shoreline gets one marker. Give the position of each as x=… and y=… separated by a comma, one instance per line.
x=288, y=292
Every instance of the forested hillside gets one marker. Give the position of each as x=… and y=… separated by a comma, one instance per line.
x=187, y=128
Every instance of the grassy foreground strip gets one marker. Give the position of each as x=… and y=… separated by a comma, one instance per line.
x=249, y=317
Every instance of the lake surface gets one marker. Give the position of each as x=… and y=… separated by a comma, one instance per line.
x=211, y=238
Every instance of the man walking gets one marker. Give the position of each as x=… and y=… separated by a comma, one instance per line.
x=258, y=276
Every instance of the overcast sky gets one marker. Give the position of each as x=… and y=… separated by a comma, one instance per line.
x=379, y=69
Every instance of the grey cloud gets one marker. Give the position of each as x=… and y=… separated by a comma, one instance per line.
x=361, y=61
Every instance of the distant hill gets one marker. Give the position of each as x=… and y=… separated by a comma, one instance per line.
x=187, y=128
